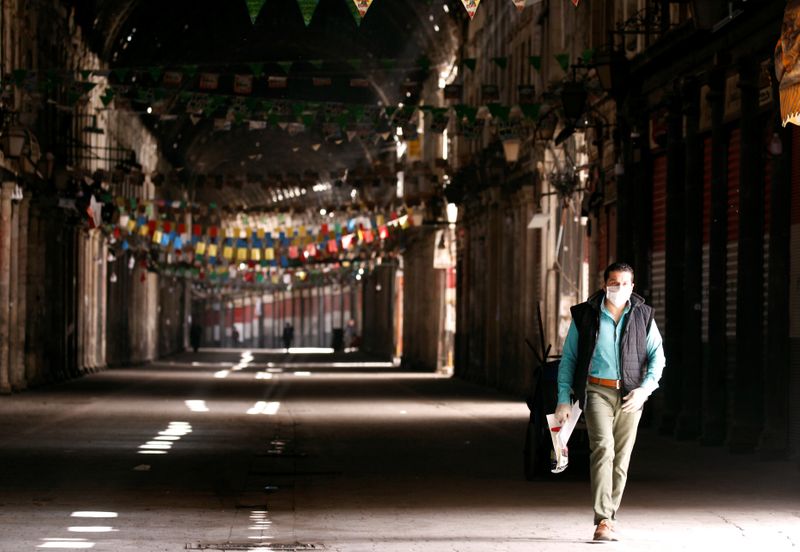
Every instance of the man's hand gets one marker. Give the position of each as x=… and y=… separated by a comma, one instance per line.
x=562, y=413
x=634, y=400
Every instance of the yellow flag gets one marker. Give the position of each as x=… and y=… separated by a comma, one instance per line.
x=200, y=248
x=212, y=250
x=269, y=254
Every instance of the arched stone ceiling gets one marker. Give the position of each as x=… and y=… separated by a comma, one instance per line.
x=217, y=35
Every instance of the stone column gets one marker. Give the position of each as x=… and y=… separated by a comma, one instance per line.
x=673, y=374
x=5, y=280
x=688, y=425
x=22, y=292
x=14, y=373
x=34, y=287
x=714, y=377
x=748, y=383
x=774, y=439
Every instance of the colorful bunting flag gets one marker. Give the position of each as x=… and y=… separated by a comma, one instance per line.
x=471, y=6
x=362, y=6
x=209, y=81
x=243, y=84
x=307, y=8
x=563, y=60
x=254, y=8
x=352, y=6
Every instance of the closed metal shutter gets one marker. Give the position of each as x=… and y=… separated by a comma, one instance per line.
x=658, y=270
x=733, y=233
x=707, y=145
x=794, y=300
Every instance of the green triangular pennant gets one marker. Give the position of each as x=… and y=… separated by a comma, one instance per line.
x=536, y=62
x=355, y=63
x=563, y=61
x=107, y=96
x=588, y=55
x=531, y=111
x=85, y=74
x=20, y=75
x=257, y=69
x=254, y=8
x=424, y=63
x=285, y=66
x=190, y=71
x=501, y=62
x=470, y=63
x=121, y=74
x=307, y=8
x=499, y=111
x=358, y=112
x=466, y=111
x=155, y=73
x=388, y=63
x=316, y=63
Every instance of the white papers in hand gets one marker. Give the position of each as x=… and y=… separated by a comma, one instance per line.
x=560, y=436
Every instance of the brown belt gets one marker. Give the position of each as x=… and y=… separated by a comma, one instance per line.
x=612, y=383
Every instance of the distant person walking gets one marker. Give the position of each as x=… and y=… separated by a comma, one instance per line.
x=195, y=335
x=288, y=335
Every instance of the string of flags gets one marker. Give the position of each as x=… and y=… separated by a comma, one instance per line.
x=247, y=245
x=359, y=8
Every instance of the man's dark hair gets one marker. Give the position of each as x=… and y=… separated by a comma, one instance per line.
x=617, y=267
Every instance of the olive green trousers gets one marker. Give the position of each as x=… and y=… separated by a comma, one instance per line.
x=612, y=434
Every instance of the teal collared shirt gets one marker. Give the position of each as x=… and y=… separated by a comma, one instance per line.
x=605, y=360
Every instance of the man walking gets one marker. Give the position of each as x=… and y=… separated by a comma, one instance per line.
x=612, y=361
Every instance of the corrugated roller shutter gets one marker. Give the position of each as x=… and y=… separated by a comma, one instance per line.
x=659, y=202
x=733, y=230
x=707, y=145
x=658, y=270
x=707, y=190
x=794, y=299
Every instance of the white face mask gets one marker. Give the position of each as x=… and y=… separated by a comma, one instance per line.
x=618, y=296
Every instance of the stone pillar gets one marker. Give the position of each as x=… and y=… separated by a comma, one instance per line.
x=688, y=425
x=673, y=373
x=18, y=335
x=5, y=280
x=774, y=439
x=748, y=383
x=714, y=418
x=15, y=374
x=34, y=286
x=494, y=281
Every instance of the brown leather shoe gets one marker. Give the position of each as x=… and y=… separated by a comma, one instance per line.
x=604, y=531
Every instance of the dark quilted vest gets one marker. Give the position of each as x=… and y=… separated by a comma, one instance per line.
x=633, y=345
